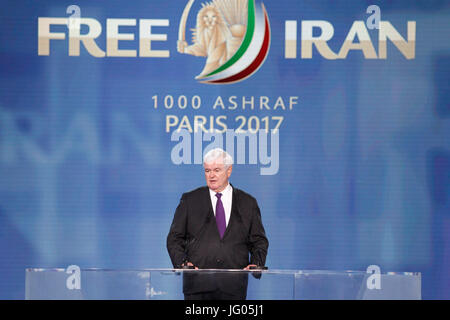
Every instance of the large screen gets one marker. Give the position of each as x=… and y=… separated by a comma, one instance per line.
x=336, y=114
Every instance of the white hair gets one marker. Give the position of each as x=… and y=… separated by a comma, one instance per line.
x=218, y=153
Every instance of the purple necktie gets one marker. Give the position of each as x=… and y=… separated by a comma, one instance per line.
x=220, y=216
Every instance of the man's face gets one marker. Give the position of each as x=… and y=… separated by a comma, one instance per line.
x=216, y=175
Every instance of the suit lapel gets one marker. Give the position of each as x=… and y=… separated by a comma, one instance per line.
x=208, y=204
x=234, y=212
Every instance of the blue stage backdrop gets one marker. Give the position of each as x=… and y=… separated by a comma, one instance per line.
x=104, y=106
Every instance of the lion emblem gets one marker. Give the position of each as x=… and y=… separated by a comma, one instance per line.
x=219, y=32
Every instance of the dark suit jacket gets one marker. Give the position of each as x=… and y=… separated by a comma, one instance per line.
x=194, y=237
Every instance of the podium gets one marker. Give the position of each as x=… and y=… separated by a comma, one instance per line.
x=167, y=284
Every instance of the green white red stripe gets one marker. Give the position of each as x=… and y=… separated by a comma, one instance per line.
x=252, y=52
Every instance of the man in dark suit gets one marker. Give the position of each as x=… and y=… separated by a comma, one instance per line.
x=217, y=227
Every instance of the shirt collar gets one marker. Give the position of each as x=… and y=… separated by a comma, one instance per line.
x=225, y=192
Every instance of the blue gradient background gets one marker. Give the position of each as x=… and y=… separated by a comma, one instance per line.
x=85, y=171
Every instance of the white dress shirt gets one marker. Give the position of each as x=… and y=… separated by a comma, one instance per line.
x=227, y=195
